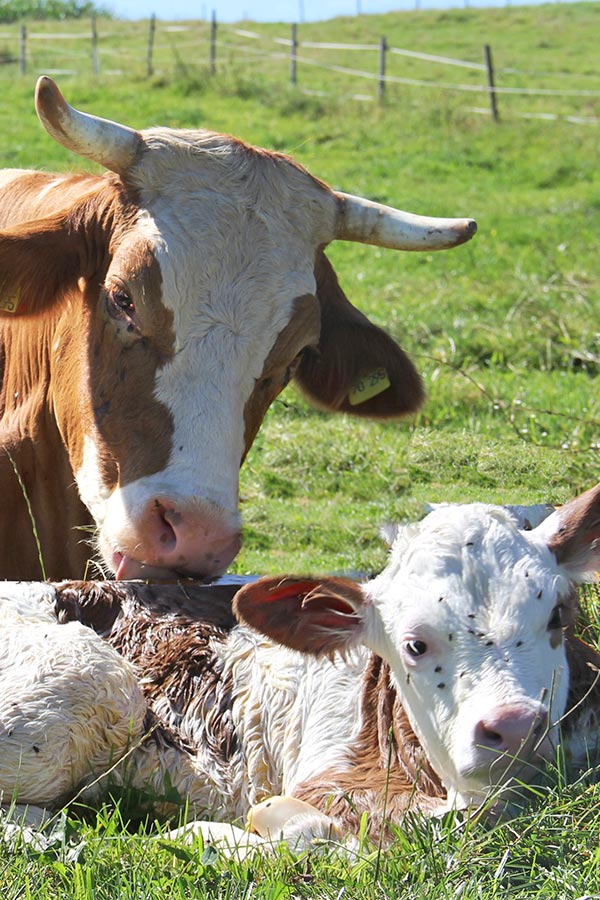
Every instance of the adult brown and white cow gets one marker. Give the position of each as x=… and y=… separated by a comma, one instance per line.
x=148, y=317
x=433, y=685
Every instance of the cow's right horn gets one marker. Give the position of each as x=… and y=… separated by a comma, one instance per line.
x=111, y=145
x=373, y=223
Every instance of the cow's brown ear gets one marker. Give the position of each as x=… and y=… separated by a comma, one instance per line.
x=36, y=260
x=572, y=533
x=357, y=367
x=312, y=615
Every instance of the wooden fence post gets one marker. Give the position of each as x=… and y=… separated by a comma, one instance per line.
x=294, y=54
x=492, y=86
x=95, y=60
x=213, y=43
x=149, y=66
x=23, y=50
x=382, y=51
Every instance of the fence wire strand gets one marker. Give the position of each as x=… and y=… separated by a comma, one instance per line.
x=199, y=40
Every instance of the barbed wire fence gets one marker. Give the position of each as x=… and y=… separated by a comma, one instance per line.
x=312, y=67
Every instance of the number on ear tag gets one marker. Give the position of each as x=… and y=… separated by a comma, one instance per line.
x=368, y=385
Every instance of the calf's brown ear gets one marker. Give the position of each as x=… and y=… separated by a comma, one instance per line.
x=357, y=368
x=573, y=534
x=315, y=616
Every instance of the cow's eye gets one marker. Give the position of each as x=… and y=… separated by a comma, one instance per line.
x=120, y=299
x=415, y=648
x=555, y=620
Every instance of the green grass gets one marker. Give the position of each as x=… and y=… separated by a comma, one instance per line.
x=505, y=331
x=549, y=850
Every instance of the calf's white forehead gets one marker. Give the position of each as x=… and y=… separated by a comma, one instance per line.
x=473, y=551
x=468, y=572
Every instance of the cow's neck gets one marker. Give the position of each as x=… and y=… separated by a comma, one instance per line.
x=41, y=503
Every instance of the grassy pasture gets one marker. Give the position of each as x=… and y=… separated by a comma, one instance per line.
x=505, y=331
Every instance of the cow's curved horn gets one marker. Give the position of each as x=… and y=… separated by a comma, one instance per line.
x=372, y=223
x=112, y=145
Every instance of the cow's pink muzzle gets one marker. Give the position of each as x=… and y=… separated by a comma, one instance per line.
x=176, y=536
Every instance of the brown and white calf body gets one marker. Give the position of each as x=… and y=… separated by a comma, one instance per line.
x=148, y=317
x=431, y=686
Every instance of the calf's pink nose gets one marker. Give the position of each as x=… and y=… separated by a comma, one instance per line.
x=511, y=727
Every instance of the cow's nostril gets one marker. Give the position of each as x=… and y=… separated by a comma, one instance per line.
x=172, y=516
x=187, y=536
x=168, y=519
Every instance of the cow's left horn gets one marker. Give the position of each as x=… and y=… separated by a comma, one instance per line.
x=111, y=145
x=372, y=223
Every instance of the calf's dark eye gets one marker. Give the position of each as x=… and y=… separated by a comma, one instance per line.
x=415, y=648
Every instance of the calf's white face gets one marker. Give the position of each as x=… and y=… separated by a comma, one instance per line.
x=469, y=613
x=471, y=617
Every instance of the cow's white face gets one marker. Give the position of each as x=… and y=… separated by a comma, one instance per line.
x=235, y=257
x=469, y=613
x=231, y=240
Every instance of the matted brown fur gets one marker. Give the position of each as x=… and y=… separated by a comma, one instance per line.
x=99, y=603
x=168, y=632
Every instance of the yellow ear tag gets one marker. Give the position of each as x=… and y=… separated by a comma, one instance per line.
x=368, y=385
x=10, y=302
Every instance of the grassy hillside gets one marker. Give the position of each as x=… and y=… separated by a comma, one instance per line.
x=505, y=331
